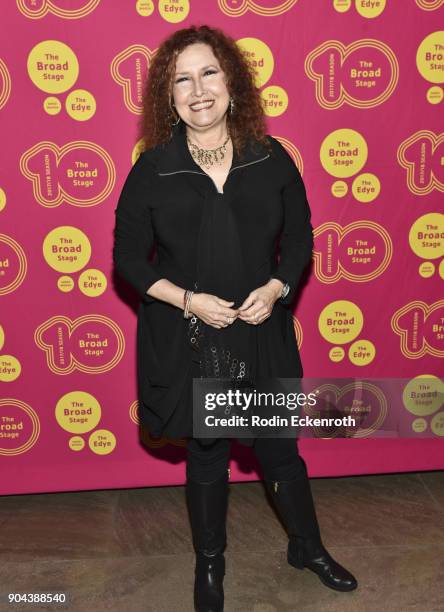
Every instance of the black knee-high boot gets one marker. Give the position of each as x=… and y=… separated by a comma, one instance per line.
x=294, y=502
x=207, y=504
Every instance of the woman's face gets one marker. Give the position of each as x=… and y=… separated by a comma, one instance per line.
x=199, y=87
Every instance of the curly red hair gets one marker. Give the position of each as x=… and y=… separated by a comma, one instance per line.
x=248, y=119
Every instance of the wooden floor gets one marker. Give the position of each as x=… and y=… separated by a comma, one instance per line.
x=130, y=550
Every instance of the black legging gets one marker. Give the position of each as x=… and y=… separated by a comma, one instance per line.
x=278, y=457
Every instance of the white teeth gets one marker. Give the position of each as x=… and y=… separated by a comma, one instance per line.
x=202, y=105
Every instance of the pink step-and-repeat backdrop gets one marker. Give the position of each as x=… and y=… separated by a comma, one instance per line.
x=352, y=88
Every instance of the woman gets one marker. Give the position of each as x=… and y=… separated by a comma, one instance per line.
x=216, y=194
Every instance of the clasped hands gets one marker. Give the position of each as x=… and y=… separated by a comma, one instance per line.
x=257, y=306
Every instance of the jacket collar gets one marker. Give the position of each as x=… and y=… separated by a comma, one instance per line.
x=174, y=156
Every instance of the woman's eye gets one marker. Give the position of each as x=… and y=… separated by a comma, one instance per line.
x=210, y=71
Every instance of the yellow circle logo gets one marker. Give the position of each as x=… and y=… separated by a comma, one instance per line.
x=423, y=395
x=2, y=199
x=366, y=187
x=10, y=368
x=426, y=269
x=343, y=153
x=65, y=284
x=78, y=412
x=66, y=249
x=362, y=352
x=76, y=443
x=426, y=236
x=370, y=9
x=336, y=354
x=92, y=282
x=434, y=94
x=80, y=105
x=340, y=322
x=437, y=424
x=145, y=8
x=430, y=57
x=174, y=11
x=102, y=442
x=52, y=105
x=259, y=56
x=275, y=100
x=342, y=6
x=53, y=66
x=419, y=425
x=339, y=189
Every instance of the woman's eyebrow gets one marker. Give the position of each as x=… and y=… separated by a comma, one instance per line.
x=204, y=68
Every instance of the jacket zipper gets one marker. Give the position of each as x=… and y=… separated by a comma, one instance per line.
x=205, y=174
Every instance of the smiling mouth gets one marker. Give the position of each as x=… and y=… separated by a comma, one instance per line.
x=198, y=106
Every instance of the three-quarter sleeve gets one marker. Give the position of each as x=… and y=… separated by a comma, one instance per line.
x=296, y=242
x=133, y=231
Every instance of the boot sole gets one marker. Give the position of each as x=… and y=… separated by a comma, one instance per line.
x=298, y=566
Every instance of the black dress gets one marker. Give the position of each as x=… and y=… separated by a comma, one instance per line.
x=218, y=243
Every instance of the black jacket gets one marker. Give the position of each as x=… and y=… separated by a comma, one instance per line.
x=163, y=202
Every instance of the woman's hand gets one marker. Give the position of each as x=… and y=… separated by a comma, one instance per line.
x=258, y=306
x=213, y=310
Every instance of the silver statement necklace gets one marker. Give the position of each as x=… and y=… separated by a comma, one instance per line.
x=208, y=157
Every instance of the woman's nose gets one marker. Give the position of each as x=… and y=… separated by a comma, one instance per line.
x=197, y=87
